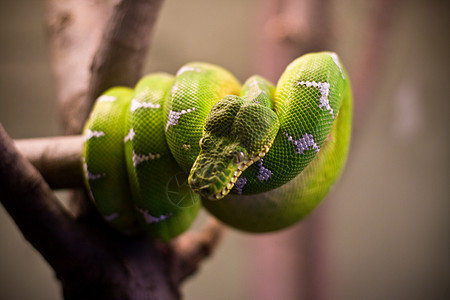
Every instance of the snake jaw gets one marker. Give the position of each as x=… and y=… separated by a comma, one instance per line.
x=241, y=168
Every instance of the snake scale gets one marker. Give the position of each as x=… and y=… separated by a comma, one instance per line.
x=258, y=157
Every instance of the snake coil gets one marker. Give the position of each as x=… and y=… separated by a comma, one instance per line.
x=258, y=157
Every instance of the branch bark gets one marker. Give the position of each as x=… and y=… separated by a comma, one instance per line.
x=58, y=159
x=193, y=247
x=119, y=59
x=34, y=208
x=74, y=29
x=120, y=39
x=80, y=28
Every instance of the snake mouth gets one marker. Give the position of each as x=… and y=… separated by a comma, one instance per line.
x=240, y=168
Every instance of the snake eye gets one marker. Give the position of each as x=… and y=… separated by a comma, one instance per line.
x=240, y=157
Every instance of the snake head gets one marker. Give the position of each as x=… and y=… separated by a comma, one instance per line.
x=237, y=133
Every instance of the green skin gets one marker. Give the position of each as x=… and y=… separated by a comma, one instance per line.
x=277, y=151
x=312, y=101
x=163, y=210
x=105, y=183
x=134, y=180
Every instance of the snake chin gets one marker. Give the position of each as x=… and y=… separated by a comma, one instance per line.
x=241, y=168
x=211, y=191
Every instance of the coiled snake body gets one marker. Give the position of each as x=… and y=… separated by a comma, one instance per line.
x=258, y=157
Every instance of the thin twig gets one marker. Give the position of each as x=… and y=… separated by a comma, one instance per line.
x=193, y=247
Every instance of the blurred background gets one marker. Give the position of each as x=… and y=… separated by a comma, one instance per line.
x=382, y=233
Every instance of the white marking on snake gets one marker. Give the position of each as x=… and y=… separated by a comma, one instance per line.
x=111, y=217
x=91, y=176
x=186, y=69
x=106, y=98
x=93, y=134
x=254, y=94
x=140, y=158
x=174, y=89
x=255, y=82
x=324, y=88
x=136, y=105
x=129, y=136
x=240, y=183
x=306, y=142
x=149, y=219
x=335, y=58
x=264, y=173
x=174, y=116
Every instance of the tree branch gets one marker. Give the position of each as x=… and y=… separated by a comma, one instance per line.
x=74, y=29
x=58, y=159
x=34, y=208
x=92, y=261
x=119, y=60
x=193, y=247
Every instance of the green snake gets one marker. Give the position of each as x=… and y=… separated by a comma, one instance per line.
x=258, y=157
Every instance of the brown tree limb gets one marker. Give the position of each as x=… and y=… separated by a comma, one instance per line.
x=58, y=159
x=33, y=206
x=92, y=261
x=193, y=247
x=74, y=30
x=78, y=29
x=119, y=60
